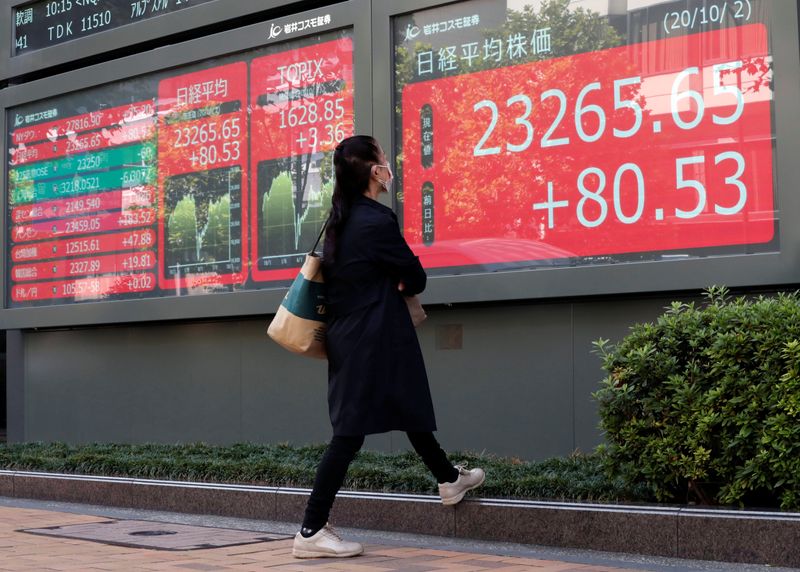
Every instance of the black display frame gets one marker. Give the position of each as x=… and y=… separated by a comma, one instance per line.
x=353, y=14
x=779, y=270
x=215, y=13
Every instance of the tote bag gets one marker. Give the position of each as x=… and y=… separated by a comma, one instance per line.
x=299, y=324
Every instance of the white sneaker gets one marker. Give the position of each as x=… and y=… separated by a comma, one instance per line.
x=326, y=543
x=468, y=479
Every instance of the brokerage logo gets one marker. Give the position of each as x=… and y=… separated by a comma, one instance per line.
x=412, y=32
x=275, y=31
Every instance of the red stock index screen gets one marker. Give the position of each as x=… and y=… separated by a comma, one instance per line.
x=208, y=178
x=304, y=107
x=551, y=135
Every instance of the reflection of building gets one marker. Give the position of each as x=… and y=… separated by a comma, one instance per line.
x=314, y=184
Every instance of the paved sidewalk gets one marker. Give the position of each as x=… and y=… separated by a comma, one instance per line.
x=21, y=551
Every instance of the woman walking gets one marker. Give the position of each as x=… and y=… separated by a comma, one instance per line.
x=376, y=374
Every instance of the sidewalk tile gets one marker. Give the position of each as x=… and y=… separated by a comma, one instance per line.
x=22, y=552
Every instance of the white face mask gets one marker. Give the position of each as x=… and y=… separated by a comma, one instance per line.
x=385, y=183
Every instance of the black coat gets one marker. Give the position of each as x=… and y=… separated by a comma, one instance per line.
x=376, y=374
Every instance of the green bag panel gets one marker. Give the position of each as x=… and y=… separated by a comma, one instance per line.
x=306, y=299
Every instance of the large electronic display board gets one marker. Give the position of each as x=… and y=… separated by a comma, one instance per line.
x=555, y=133
x=205, y=178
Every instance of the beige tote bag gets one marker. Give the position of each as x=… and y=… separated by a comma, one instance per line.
x=299, y=324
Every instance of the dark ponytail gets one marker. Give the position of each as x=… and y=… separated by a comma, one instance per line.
x=352, y=163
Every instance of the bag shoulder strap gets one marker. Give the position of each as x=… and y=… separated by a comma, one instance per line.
x=321, y=232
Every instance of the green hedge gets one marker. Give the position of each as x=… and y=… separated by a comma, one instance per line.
x=579, y=477
x=704, y=403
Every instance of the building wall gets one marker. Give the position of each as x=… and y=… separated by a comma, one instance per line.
x=520, y=384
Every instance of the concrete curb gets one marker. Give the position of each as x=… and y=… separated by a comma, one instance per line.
x=747, y=536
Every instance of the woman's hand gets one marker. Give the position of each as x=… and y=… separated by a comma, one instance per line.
x=401, y=286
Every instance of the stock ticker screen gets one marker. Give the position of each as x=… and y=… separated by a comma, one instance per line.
x=555, y=133
x=210, y=178
x=46, y=23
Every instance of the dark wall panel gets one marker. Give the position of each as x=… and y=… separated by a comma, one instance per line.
x=508, y=390
x=283, y=395
x=593, y=320
x=511, y=380
x=167, y=383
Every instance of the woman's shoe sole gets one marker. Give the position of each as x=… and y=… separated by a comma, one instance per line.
x=460, y=497
x=310, y=554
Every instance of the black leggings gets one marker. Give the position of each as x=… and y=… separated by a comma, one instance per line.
x=337, y=458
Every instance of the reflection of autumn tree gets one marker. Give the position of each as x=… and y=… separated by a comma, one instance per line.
x=759, y=69
x=508, y=193
x=404, y=74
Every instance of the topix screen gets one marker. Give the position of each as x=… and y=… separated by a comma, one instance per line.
x=556, y=133
x=209, y=178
